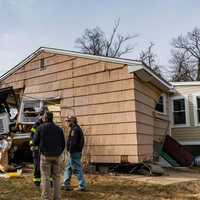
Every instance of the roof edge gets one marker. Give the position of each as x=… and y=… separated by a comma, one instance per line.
x=90, y=56
x=20, y=64
x=161, y=80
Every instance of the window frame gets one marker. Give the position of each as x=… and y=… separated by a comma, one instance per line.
x=164, y=105
x=21, y=113
x=187, y=121
x=42, y=64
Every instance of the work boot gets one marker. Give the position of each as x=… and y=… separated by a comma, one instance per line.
x=68, y=188
x=37, y=184
x=81, y=190
x=51, y=183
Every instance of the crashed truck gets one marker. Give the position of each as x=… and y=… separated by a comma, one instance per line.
x=17, y=116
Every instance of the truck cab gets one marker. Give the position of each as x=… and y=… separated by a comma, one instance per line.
x=17, y=116
x=8, y=110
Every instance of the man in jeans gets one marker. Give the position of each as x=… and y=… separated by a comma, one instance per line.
x=75, y=145
x=51, y=141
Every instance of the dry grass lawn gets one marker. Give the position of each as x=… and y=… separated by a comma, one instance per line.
x=103, y=187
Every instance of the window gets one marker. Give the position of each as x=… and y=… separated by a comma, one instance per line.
x=179, y=111
x=29, y=111
x=160, y=106
x=198, y=109
x=42, y=64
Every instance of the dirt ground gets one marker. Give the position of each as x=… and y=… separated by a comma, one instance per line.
x=176, y=184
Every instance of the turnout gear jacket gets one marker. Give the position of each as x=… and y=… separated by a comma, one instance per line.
x=50, y=139
x=34, y=129
x=75, y=141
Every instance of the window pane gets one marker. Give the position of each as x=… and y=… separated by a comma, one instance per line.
x=161, y=100
x=198, y=102
x=42, y=64
x=198, y=113
x=160, y=105
x=159, y=108
x=179, y=104
x=179, y=118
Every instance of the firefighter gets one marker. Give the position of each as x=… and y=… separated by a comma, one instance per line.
x=36, y=151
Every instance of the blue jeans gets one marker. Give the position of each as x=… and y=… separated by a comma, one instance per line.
x=74, y=166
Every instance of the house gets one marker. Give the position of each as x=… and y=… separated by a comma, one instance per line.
x=185, y=114
x=120, y=103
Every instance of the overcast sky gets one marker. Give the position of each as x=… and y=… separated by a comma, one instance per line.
x=25, y=25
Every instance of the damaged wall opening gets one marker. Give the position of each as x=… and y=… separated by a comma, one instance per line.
x=17, y=116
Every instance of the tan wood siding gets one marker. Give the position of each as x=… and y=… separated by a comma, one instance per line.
x=113, y=159
x=113, y=139
x=101, y=129
x=103, y=108
x=161, y=127
x=146, y=97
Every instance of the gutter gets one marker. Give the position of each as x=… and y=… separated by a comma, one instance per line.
x=135, y=68
x=185, y=83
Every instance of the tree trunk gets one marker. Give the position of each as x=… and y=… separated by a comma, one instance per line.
x=198, y=70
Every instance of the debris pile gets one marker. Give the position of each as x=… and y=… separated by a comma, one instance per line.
x=144, y=168
x=5, y=145
x=175, y=154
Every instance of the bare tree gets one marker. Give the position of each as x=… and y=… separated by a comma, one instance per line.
x=191, y=45
x=148, y=57
x=183, y=67
x=94, y=41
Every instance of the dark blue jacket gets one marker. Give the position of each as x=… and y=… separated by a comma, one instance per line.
x=50, y=139
x=75, y=141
